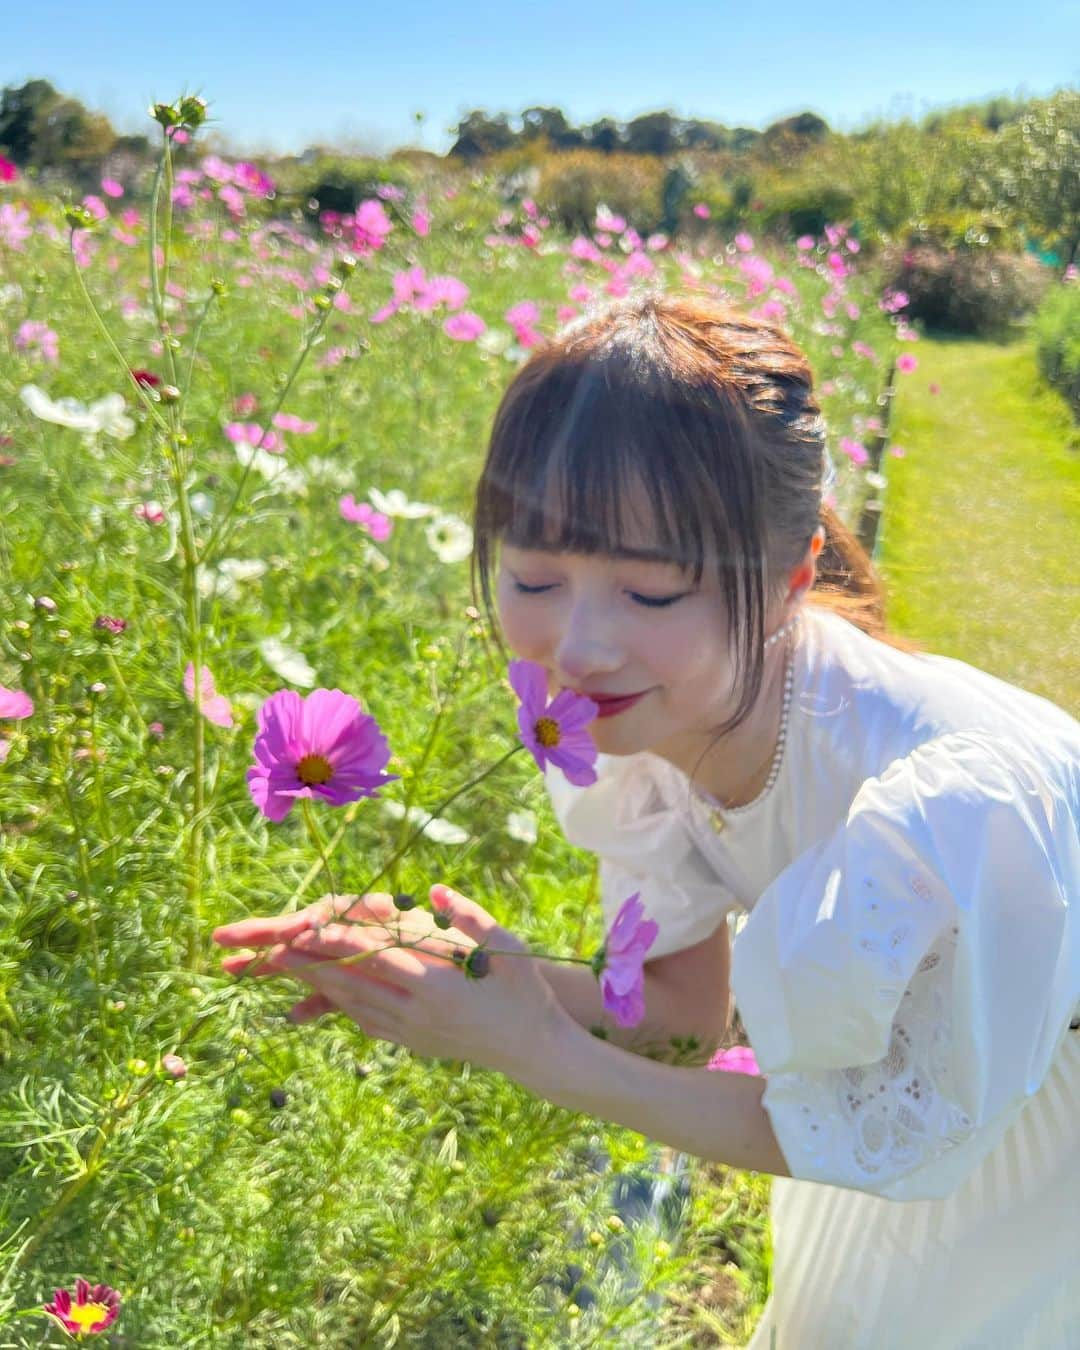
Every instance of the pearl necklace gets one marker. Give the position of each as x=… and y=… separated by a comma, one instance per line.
x=718, y=810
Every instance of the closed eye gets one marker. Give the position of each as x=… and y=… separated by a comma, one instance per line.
x=529, y=590
x=656, y=601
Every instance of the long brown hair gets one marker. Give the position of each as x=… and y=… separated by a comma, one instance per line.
x=711, y=414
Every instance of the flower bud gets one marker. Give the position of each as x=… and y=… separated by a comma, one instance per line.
x=477, y=964
x=596, y=1239
x=321, y=302
x=168, y=393
x=219, y=288
x=45, y=604
x=79, y=218
x=105, y=623
x=615, y=1224
x=164, y=113
x=138, y=1067
x=239, y=1116
x=174, y=1066
x=192, y=112
x=345, y=264
x=278, y=1098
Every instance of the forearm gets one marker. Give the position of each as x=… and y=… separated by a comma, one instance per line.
x=666, y=1018
x=714, y=1116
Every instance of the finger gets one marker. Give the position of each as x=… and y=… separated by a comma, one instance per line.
x=262, y=929
x=367, y=954
x=315, y=1005
x=359, y=999
x=469, y=917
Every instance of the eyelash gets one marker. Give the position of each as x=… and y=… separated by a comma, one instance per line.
x=648, y=601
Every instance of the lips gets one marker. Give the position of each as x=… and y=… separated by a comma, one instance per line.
x=610, y=704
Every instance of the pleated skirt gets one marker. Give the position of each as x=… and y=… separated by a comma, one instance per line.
x=993, y=1266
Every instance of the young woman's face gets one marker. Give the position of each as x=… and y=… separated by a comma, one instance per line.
x=636, y=635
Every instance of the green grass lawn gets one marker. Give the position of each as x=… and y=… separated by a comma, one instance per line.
x=980, y=543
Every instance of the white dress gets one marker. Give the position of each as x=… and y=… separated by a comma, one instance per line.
x=906, y=970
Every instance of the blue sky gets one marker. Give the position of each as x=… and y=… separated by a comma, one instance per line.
x=281, y=76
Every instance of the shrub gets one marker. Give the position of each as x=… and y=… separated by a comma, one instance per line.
x=964, y=290
x=573, y=185
x=804, y=206
x=1057, y=340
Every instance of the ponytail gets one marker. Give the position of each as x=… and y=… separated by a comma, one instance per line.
x=848, y=585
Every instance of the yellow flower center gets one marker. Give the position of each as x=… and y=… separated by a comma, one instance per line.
x=314, y=769
x=547, y=732
x=87, y=1315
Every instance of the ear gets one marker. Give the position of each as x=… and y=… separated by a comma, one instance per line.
x=804, y=573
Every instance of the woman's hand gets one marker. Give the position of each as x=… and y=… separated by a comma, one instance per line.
x=413, y=994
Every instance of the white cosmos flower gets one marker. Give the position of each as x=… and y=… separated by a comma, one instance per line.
x=495, y=341
x=287, y=662
x=450, y=538
x=876, y=480
x=11, y=295
x=326, y=470
x=439, y=831
x=107, y=414
x=224, y=580
x=271, y=467
x=521, y=825
x=375, y=558
x=395, y=503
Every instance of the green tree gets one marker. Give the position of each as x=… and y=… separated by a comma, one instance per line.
x=1039, y=169
x=19, y=110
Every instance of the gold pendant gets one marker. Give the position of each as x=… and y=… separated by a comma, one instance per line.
x=717, y=821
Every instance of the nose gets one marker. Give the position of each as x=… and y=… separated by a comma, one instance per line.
x=587, y=646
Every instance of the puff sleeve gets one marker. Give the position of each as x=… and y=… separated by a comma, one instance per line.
x=644, y=845
x=907, y=982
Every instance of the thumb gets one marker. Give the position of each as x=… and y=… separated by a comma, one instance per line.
x=470, y=918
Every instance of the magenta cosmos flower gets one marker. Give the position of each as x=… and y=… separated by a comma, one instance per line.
x=323, y=745
x=736, y=1059
x=93, y=1309
x=620, y=962
x=554, y=732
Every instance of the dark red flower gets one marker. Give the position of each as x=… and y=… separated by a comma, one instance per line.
x=146, y=378
x=93, y=1309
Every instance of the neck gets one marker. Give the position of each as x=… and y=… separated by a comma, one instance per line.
x=735, y=768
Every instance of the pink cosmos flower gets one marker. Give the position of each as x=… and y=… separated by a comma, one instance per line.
x=36, y=338
x=421, y=223
x=290, y=422
x=14, y=704
x=152, y=512
x=619, y=963
x=907, y=363
x=464, y=327
x=245, y=404
x=370, y=227
x=15, y=227
x=94, y=1308
x=380, y=527
x=250, y=433
x=554, y=731
x=934, y=388
x=804, y=242
x=744, y=242
x=323, y=745
x=8, y=171
x=736, y=1059
x=702, y=211
x=112, y=188
x=855, y=451
x=215, y=707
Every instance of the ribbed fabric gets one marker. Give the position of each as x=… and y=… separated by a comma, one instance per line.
x=993, y=1266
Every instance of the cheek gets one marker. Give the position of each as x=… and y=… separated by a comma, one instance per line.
x=522, y=625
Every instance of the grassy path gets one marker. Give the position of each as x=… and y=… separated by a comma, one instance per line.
x=980, y=543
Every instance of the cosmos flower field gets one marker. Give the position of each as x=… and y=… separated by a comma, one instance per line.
x=237, y=446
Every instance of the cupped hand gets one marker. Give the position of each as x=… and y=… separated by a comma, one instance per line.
x=395, y=975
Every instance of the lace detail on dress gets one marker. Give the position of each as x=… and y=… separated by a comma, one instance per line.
x=878, y=1121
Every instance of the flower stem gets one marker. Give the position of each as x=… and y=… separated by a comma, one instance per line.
x=437, y=811
x=316, y=839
